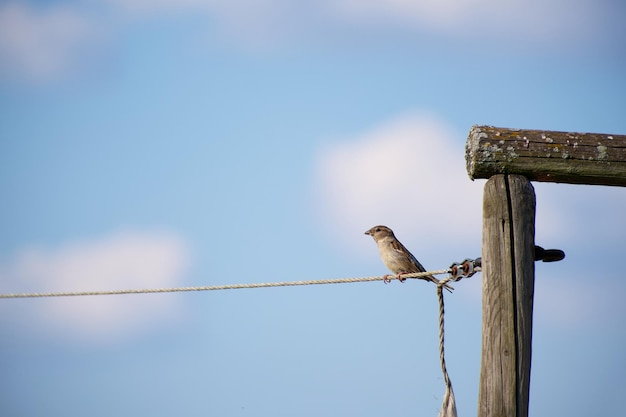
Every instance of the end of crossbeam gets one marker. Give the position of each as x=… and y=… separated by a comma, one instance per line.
x=548, y=156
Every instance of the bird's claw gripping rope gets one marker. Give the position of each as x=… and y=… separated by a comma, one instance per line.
x=399, y=277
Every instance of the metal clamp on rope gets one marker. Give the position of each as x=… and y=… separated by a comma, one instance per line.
x=467, y=268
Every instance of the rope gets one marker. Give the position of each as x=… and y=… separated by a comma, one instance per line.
x=448, y=408
x=417, y=275
x=456, y=272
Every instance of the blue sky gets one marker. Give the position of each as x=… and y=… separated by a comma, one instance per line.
x=204, y=142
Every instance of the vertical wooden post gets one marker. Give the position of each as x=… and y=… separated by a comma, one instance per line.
x=508, y=283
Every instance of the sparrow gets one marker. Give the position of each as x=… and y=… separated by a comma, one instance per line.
x=396, y=257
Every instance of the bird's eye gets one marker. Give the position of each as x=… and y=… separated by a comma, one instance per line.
x=378, y=229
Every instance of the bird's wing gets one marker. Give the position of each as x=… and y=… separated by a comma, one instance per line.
x=399, y=248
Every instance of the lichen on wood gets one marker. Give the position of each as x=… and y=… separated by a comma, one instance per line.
x=566, y=157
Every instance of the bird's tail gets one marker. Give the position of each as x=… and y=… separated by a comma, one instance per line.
x=436, y=281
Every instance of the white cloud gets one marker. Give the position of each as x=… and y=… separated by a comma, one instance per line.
x=47, y=42
x=40, y=44
x=280, y=20
x=432, y=13
x=518, y=19
x=529, y=19
x=250, y=23
x=408, y=173
x=121, y=261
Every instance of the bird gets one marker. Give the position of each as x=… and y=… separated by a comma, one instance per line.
x=396, y=257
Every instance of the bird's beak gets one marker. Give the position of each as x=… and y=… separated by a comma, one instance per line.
x=368, y=232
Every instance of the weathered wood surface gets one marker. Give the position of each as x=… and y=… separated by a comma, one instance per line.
x=508, y=282
x=574, y=158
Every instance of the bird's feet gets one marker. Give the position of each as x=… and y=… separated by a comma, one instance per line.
x=387, y=278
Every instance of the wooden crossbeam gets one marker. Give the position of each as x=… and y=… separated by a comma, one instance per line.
x=539, y=155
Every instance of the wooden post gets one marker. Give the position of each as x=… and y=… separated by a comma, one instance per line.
x=508, y=282
x=510, y=159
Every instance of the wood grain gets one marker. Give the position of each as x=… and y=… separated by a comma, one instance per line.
x=508, y=283
x=539, y=155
